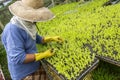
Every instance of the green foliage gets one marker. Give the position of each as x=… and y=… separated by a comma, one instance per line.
x=5, y=15
x=58, y=2
x=86, y=28
x=106, y=71
x=3, y=62
x=106, y=32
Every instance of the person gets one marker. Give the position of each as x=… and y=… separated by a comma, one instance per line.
x=19, y=38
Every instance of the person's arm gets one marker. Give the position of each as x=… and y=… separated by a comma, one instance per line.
x=38, y=56
x=29, y=58
x=15, y=47
x=14, y=44
x=54, y=38
x=39, y=39
x=43, y=40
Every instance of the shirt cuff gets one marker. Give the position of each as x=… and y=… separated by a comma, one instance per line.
x=39, y=39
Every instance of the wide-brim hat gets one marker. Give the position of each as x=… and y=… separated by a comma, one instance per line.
x=31, y=10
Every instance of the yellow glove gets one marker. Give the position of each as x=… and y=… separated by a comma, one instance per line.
x=55, y=38
x=48, y=53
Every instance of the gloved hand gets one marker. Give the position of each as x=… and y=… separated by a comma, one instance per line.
x=55, y=38
x=48, y=53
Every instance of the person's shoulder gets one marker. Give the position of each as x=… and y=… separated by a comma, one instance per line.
x=11, y=26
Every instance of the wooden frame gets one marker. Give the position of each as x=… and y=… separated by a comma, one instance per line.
x=1, y=74
x=1, y=25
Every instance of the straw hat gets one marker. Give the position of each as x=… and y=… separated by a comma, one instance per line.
x=31, y=10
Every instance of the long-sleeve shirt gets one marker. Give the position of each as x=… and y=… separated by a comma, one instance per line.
x=18, y=43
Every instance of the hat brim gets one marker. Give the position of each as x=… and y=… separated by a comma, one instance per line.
x=30, y=14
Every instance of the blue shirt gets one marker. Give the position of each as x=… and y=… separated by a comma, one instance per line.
x=18, y=43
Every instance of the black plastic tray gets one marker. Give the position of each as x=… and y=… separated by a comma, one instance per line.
x=109, y=60
x=54, y=75
x=110, y=2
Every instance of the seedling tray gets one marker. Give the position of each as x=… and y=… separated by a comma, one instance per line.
x=109, y=60
x=54, y=75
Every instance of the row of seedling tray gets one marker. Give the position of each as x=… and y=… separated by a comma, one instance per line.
x=85, y=25
x=54, y=75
